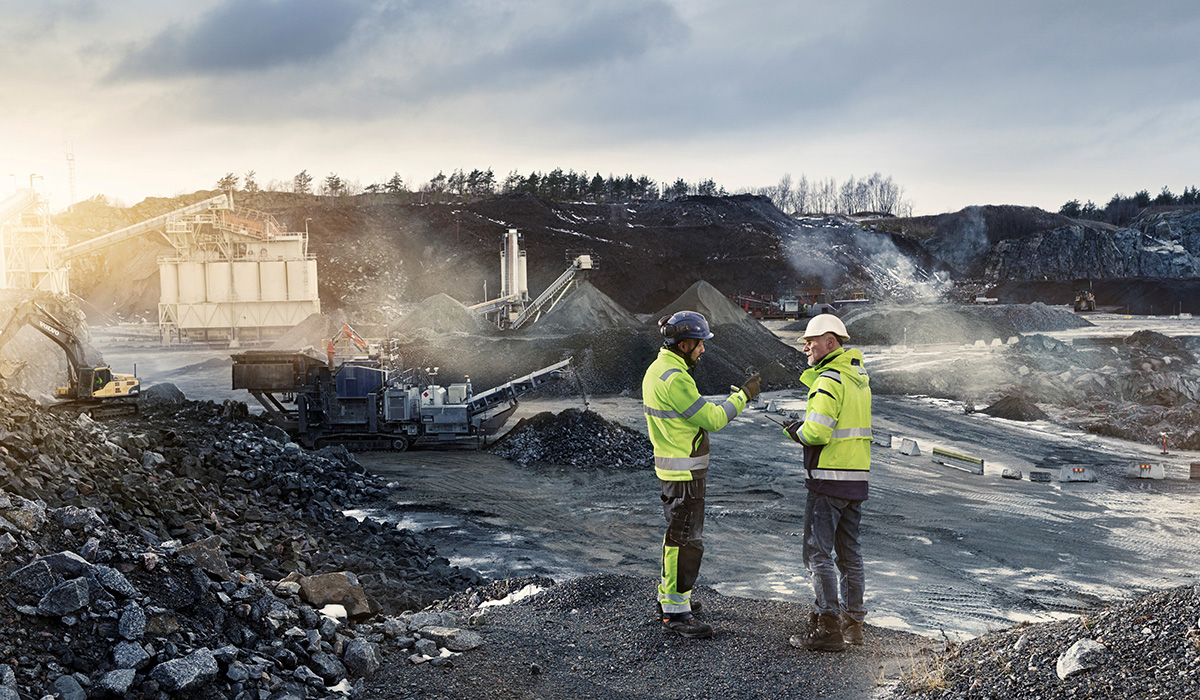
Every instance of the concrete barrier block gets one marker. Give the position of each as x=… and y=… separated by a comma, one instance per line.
x=957, y=460
x=909, y=447
x=1042, y=476
x=1076, y=472
x=1011, y=474
x=1146, y=471
x=881, y=439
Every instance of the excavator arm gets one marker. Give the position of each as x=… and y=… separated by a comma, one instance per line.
x=30, y=313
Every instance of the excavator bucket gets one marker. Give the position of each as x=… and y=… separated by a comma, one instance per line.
x=10, y=369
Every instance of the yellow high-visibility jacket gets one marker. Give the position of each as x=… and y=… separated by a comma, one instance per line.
x=679, y=420
x=836, y=432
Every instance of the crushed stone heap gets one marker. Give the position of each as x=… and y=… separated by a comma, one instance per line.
x=441, y=314
x=186, y=553
x=575, y=438
x=912, y=325
x=311, y=332
x=1144, y=648
x=1015, y=407
x=708, y=300
x=585, y=308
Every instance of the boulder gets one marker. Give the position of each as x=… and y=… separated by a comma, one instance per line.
x=340, y=588
x=208, y=556
x=64, y=598
x=1082, y=655
x=187, y=672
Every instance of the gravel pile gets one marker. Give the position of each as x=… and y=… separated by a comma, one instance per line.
x=185, y=553
x=1014, y=407
x=585, y=308
x=441, y=313
x=575, y=438
x=912, y=325
x=1147, y=648
x=708, y=300
x=311, y=332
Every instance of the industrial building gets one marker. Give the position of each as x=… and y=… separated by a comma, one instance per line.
x=30, y=245
x=235, y=274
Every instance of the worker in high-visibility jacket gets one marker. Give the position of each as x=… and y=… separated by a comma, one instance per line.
x=836, y=434
x=679, y=421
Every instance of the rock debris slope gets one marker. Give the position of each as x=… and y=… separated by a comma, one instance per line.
x=186, y=554
x=1145, y=648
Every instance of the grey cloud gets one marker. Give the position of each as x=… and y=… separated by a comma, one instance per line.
x=245, y=36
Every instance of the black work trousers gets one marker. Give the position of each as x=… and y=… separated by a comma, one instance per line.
x=683, y=508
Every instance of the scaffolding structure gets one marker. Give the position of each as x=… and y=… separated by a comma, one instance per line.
x=30, y=245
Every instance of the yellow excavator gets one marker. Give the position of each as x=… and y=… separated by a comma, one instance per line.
x=82, y=388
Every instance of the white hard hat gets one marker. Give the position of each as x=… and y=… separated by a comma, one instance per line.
x=826, y=323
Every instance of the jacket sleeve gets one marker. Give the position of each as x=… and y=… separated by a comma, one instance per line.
x=686, y=400
x=824, y=407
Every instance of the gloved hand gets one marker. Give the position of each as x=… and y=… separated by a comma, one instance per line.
x=751, y=387
x=793, y=430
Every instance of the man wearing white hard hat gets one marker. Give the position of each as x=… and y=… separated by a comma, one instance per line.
x=836, y=434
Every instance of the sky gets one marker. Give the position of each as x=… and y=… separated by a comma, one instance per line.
x=960, y=102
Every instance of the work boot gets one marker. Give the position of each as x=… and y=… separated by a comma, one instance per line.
x=826, y=635
x=688, y=627
x=852, y=630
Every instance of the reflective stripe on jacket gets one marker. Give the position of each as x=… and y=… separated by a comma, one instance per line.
x=679, y=419
x=836, y=432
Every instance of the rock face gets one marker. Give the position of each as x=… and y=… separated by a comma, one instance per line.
x=1163, y=246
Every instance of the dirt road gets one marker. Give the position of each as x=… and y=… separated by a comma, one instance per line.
x=945, y=550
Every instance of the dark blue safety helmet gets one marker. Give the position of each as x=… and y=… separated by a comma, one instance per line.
x=683, y=324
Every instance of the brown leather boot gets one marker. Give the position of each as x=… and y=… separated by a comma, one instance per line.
x=852, y=630
x=825, y=636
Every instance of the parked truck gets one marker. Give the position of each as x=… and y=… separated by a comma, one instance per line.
x=366, y=405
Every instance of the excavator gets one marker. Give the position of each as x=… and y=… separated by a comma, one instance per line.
x=82, y=388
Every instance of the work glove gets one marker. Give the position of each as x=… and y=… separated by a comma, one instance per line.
x=793, y=430
x=750, y=388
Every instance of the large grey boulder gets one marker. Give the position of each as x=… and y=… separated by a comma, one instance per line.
x=362, y=658
x=328, y=667
x=453, y=638
x=208, y=556
x=187, y=672
x=133, y=622
x=118, y=682
x=114, y=581
x=130, y=655
x=1082, y=655
x=64, y=598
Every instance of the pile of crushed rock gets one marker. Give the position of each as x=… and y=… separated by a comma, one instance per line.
x=440, y=313
x=584, y=309
x=575, y=438
x=190, y=552
x=1146, y=648
x=918, y=325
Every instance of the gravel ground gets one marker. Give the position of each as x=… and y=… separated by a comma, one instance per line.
x=596, y=637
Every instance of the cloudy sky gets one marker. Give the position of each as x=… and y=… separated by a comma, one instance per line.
x=960, y=102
